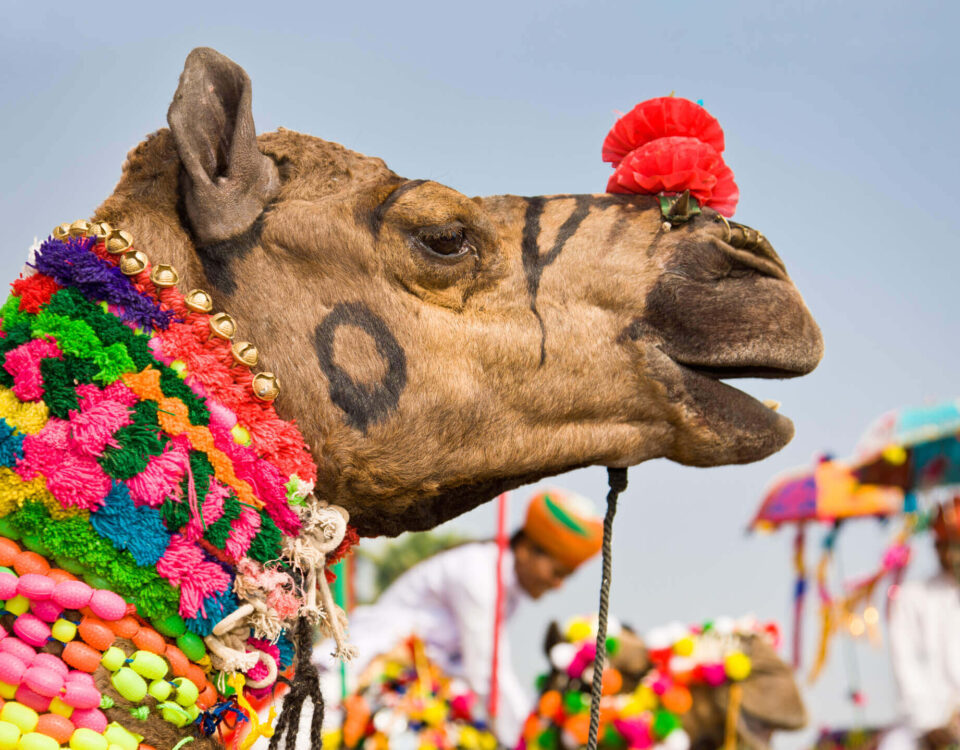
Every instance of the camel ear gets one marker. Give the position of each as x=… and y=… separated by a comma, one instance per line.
x=770, y=692
x=226, y=181
x=631, y=658
x=553, y=637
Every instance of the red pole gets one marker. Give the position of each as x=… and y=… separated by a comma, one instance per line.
x=502, y=540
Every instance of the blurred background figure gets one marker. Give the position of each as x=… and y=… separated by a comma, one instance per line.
x=925, y=646
x=449, y=602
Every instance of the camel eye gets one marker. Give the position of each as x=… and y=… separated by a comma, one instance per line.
x=447, y=242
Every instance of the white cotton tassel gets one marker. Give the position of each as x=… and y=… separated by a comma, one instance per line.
x=229, y=652
x=344, y=650
x=28, y=269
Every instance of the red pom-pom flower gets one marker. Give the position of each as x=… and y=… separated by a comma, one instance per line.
x=668, y=145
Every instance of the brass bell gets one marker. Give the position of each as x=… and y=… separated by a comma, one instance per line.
x=79, y=228
x=133, y=262
x=266, y=387
x=198, y=301
x=61, y=231
x=99, y=229
x=119, y=241
x=223, y=326
x=245, y=353
x=164, y=275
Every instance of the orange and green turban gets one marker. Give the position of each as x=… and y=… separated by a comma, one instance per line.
x=565, y=525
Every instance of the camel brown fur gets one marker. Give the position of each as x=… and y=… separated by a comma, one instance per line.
x=771, y=700
x=437, y=349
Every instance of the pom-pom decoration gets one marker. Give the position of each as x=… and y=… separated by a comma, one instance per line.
x=668, y=145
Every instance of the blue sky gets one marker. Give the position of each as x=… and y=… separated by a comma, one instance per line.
x=840, y=119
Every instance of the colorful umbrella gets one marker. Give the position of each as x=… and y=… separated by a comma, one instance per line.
x=827, y=492
x=912, y=448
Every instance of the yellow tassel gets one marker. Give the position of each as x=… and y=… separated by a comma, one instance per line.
x=257, y=729
x=733, y=713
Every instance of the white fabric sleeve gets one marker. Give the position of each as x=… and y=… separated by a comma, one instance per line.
x=924, y=701
x=473, y=595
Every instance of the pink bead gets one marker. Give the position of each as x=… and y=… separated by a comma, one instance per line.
x=80, y=695
x=81, y=678
x=714, y=674
x=28, y=697
x=72, y=594
x=43, y=681
x=35, y=586
x=11, y=669
x=46, y=609
x=31, y=629
x=90, y=718
x=14, y=646
x=107, y=605
x=8, y=585
x=49, y=661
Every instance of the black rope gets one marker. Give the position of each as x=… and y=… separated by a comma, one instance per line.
x=617, y=479
x=305, y=686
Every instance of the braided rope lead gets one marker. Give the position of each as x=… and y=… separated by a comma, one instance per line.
x=617, y=480
x=305, y=686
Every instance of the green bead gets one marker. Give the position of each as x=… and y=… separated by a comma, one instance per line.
x=573, y=702
x=547, y=739
x=70, y=565
x=193, y=711
x=664, y=722
x=129, y=684
x=113, y=658
x=613, y=645
x=150, y=666
x=92, y=579
x=32, y=542
x=187, y=692
x=174, y=714
x=7, y=529
x=172, y=625
x=192, y=646
x=613, y=739
x=541, y=682
x=220, y=682
x=17, y=605
x=160, y=689
x=11, y=571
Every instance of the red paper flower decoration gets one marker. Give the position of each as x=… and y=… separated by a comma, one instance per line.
x=668, y=145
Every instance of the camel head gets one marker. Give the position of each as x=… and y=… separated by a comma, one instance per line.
x=436, y=349
x=770, y=702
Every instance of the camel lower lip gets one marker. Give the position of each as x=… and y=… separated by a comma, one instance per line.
x=749, y=429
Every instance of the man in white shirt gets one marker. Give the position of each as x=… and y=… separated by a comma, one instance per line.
x=449, y=601
x=925, y=646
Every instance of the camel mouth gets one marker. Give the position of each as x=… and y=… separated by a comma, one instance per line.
x=724, y=424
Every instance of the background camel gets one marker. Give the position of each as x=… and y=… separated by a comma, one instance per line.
x=437, y=349
x=770, y=702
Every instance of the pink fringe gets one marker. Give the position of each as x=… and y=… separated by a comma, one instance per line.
x=212, y=511
x=242, y=533
x=24, y=364
x=187, y=568
x=161, y=479
x=92, y=429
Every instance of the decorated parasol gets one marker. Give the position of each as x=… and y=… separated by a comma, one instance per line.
x=914, y=448
x=830, y=493
x=827, y=492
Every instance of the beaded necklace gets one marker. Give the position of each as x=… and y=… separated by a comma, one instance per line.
x=141, y=454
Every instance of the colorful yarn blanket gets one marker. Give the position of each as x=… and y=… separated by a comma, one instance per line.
x=146, y=494
x=410, y=704
x=647, y=713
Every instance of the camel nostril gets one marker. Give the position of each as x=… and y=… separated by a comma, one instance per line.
x=748, y=239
